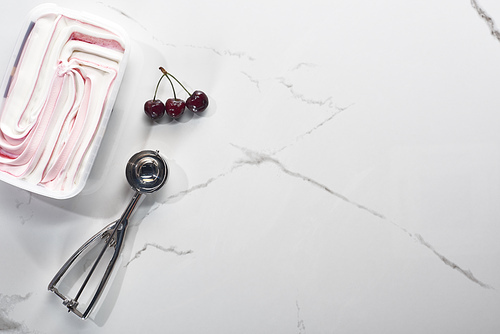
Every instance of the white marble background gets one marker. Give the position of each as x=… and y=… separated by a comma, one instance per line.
x=346, y=178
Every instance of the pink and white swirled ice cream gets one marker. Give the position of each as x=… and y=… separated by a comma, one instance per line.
x=57, y=100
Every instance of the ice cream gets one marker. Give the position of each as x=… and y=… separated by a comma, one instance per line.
x=56, y=101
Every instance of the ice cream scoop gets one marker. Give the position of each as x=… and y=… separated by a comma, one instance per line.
x=146, y=172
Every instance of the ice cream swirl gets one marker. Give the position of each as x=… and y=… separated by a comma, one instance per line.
x=56, y=100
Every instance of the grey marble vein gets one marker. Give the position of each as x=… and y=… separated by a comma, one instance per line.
x=257, y=158
x=324, y=102
x=299, y=137
x=23, y=218
x=254, y=158
x=121, y=12
x=186, y=192
x=230, y=53
x=7, y=303
x=303, y=64
x=489, y=21
x=252, y=80
x=201, y=185
x=159, y=247
x=20, y=203
x=466, y=273
x=301, y=327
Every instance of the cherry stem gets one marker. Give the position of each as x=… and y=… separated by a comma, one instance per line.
x=167, y=74
x=171, y=84
x=157, y=85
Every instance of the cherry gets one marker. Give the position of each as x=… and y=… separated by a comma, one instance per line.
x=155, y=109
x=175, y=107
x=197, y=102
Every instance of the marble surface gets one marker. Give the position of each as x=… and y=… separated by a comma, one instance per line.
x=345, y=179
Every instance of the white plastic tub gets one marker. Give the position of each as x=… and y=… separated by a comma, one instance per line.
x=58, y=94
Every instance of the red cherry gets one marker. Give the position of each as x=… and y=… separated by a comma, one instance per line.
x=155, y=109
x=197, y=102
x=175, y=107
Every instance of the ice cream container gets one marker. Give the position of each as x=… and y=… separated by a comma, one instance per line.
x=58, y=94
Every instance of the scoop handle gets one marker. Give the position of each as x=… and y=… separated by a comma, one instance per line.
x=114, y=234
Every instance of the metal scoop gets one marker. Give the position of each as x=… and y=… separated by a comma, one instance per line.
x=146, y=172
